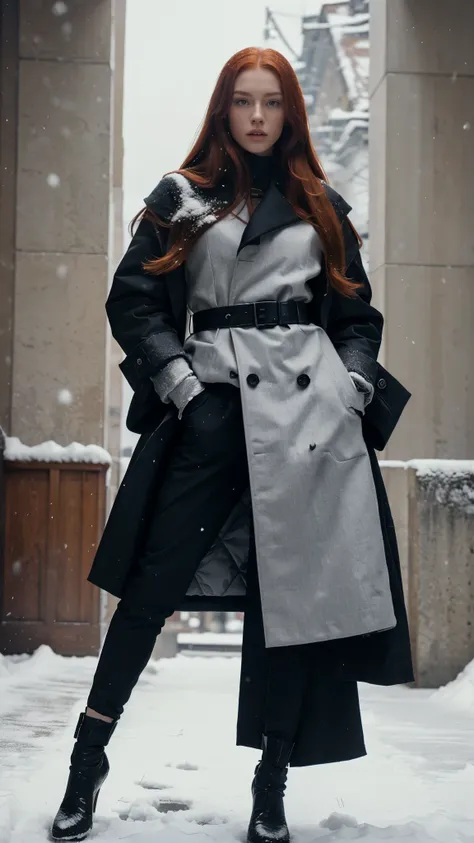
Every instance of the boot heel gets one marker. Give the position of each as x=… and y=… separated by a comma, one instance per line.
x=94, y=806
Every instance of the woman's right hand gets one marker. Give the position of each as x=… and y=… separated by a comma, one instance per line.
x=218, y=406
x=194, y=403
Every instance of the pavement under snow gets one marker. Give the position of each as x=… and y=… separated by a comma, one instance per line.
x=177, y=777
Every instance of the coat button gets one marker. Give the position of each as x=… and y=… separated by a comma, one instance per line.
x=303, y=381
x=233, y=374
x=253, y=380
x=139, y=361
x=381, y=383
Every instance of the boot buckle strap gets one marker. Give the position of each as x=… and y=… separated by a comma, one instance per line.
x=106, y=728
x=80, y=722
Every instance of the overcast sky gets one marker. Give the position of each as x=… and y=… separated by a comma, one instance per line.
x=175, y=50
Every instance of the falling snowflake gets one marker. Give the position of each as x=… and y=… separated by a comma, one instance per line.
x=62, y=271
x=65, y=397
x=59, y=8
x=466, y=126
x=53, y=180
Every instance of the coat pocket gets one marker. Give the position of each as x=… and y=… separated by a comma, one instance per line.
x=339, y=407
x=352, y=398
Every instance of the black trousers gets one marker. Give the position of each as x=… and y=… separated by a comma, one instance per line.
x=206, y=475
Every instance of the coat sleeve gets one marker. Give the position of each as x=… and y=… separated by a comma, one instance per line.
x=139, y=310
x=354, y=325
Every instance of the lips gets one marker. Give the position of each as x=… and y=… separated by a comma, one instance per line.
x=257, y=134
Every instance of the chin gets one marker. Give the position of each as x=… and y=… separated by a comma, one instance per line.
x=257, y=148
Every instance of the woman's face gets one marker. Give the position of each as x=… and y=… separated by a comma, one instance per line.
x=257, y=106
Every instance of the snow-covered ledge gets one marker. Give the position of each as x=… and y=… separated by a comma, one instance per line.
x=433, y=508
x=50, y=451
x=452, y=481
x=423, y=467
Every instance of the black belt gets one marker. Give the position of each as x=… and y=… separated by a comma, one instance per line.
x=258, y=314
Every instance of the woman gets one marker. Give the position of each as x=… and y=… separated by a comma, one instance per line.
x=254, y=485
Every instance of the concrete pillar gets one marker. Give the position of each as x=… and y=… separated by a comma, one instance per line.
x=8, y=146
x=63, y=223
x=441, y=582
x=114, y=386
x=421, y=212
x=114, y=352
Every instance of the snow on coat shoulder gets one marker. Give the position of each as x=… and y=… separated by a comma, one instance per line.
x=176, y=198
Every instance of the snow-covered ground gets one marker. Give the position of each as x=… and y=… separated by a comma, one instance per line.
x=177, y=776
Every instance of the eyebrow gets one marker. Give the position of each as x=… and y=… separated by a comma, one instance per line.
x=271, y=94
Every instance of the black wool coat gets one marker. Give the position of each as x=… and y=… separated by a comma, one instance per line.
x=148, y=318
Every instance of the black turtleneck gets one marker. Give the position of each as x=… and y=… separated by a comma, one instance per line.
x=262, y=169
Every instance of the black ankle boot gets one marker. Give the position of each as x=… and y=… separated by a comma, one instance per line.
x=268, y=822
x=88, y=771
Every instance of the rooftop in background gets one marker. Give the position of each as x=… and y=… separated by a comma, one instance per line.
x=342, y=27
x=333, y=70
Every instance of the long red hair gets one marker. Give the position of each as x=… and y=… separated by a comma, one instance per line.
x=215, y=152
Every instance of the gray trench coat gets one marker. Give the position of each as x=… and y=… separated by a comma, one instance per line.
x=319, y=544
x=324, y=449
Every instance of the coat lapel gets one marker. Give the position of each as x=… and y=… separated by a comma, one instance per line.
x=272, y=213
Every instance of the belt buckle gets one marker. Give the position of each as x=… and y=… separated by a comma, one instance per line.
x=260, y=323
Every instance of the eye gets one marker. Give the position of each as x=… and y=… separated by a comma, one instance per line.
x=237, y=102
x=274, y=102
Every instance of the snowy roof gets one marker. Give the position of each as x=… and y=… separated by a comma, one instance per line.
x=349, y=36
x=322, y=129
x=349, y=130
x=339, y=115
x=298, y=64
x=314, y=21
x=352, y=23
x=50, y=451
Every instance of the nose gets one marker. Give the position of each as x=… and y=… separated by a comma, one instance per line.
x=257, y=115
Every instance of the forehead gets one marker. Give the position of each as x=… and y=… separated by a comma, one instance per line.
x=257, y=80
